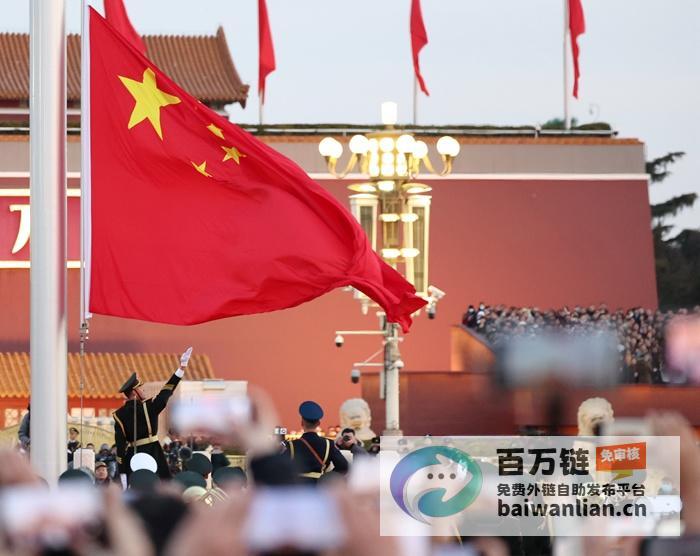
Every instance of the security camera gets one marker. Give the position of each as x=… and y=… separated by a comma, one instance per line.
x=355, y=376
x=432, y=311
x=398, y=364
x=339, y=341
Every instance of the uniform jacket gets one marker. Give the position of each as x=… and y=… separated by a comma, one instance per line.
x=308, y=465
x=137, y=422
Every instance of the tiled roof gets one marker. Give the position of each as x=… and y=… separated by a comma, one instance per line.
x=201, y=65
x=104, y=372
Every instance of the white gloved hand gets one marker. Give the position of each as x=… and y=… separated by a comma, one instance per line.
x=122, y=477
x=185, y=358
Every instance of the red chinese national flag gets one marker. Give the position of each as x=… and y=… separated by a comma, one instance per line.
x=193, y=219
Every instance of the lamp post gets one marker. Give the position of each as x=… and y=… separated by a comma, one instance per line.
x=394, y=211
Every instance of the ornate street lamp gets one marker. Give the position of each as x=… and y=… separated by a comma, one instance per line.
x=394, y=211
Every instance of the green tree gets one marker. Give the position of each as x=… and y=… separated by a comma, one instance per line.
x=677, y=257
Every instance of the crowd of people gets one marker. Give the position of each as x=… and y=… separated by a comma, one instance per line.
x=640, y=332
x=205, y=510
x=305, y=494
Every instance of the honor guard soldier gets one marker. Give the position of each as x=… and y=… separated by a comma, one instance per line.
x=136, y=422
x=312, y=454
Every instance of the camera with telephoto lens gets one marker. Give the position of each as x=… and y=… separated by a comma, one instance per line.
x=347, y=438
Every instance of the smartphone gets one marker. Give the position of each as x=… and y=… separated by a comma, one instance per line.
x=211, y=414
x=671, y=546
x=626, y=426
x=49, y=517
x=585, y=359
x=303, y=518
x=683, y=349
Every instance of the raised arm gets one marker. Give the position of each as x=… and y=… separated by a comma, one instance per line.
x=161, y=400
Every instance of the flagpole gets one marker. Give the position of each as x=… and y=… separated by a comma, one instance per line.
x=567, y=119
x=260, y=108
x=415, y=100
x=47, y=147
x=86, y=170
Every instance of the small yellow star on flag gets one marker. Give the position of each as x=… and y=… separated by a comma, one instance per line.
x=216, y=130
x=232, y=153
x=202, y=168
x=149, y=100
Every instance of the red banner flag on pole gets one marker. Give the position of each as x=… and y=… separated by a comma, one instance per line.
x=577, y=26
x=265, y=48
x=419, y=38
x=119, y=19
x=194, y=219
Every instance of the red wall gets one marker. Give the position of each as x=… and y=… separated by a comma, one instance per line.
x=518, y=242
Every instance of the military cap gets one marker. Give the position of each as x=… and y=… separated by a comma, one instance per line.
x=199, y=463
x=310, y=411
x=143, y=480
x=185, y=453
x=75, y=476
x=73, y=429
x=131, y=383
x=226, y=475
x=189, y=479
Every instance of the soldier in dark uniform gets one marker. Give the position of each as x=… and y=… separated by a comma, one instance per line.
x=136, y=422
x=312, y=454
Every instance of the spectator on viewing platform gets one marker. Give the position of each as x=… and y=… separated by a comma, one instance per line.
x=640, y=332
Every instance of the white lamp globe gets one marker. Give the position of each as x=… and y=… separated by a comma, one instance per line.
x=404, y=144
x=420, y=150
x=390, y=113
x=448, y=146
x=359, y=144
x=386, y=144
x=330, y=147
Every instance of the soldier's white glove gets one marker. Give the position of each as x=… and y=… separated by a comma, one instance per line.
x=185, y=358
x=122, y=477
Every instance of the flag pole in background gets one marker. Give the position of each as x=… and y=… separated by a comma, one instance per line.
x=419, y=38
x=47, y=147
x=575, y=24
x=266, y=54
x=565, y=56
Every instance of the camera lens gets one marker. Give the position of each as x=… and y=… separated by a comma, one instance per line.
x=347, y=438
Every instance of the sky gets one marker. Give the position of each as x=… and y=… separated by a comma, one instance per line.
x=487, y=62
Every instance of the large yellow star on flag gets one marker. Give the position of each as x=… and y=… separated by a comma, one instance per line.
x=149, y=100
x=232, y=153
x=216, y=130
x=202, y=168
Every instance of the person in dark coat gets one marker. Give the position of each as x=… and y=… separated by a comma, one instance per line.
x=136, y=422
x=312, y=454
